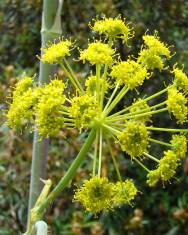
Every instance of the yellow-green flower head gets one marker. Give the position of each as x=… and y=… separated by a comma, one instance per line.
x=49, y=121
x=23, y=86
x=153, y=177
x=151, y=61
x=177, y=105
x=21, y=108
x=153, y=53
x=137, y=107
x=84, y=109
x=134, y=139
x=112, y=28
x=92, y=83
x=98, y=53
x=96, y=195
x=125, y=192
x=181, y=80
x=129, y=73
x=166, y=169
x=158, y=47
x=56, y=52
x=168, y=165
x=179, y=145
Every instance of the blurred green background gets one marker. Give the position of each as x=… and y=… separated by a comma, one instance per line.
x=156, y=211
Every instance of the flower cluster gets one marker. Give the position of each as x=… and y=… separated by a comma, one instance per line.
x=129, y=73
x=181, y=80
x=92, y=107
x=134, y=139
x=112, y=28
x=166, y=169
x=153, y=53
x=84, y=109
x=56, y=52
x=21, y=109
x=98, y=53
x=177, y=105
x=43, y=102
x=51, y=99
x=98, y=194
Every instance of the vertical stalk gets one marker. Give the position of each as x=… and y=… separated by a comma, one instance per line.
x=51, y=30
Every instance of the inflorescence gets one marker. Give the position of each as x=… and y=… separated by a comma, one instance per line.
x=90, y=106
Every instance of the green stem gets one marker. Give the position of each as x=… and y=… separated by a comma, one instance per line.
x=95, y=154
x=141, y=111
x=100, y=152
x=143, y=100
x=51, y=30
x=111, y=129
x=141, y=164
x=123, y=91
x=123, y=117
x=70, y=77
x=151, y=157
x=166, y=129
x=160, y=142
x=69, y=174
x=98, y=71
x=114, y=162
x=73, y=75
x=111, y=97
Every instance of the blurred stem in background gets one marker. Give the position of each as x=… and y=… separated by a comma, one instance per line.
x=50, y=30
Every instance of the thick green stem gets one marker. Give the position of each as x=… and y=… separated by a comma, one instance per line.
x=69, y=174
x=51, y=30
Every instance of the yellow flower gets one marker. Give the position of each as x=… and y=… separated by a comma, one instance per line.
x=124, y=192
x=154, y=43
x=98, y=53
x=138, y=106
x=134, y=139
x=129, y=73
x=153, y=177
x=179, y=145
x=150, y=60
x=21, y=109
x=112, y=28
x=49, y=121
x=84, y=109
x=166, y=169
x=56, y=52
x=181, y=80
x=96, y=195
x=91, y=85
x=153, y=53
x=177, y=105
